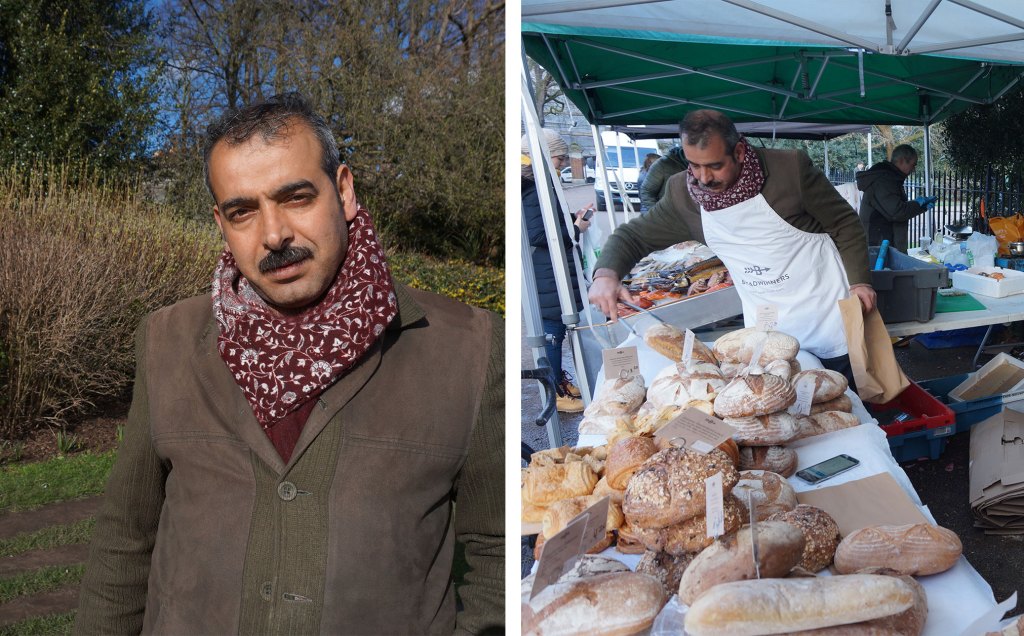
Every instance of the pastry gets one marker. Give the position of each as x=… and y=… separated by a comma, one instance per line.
x=560, y=513
x=544, y=485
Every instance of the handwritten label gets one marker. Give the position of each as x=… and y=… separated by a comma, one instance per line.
x=562, y=551
x=621, y=363
x=695, y=429
x=714, y=507
x=767, y=317
x=688, y=339
x=804, y=396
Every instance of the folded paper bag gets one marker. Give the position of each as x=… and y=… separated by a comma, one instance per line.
x=878, y=376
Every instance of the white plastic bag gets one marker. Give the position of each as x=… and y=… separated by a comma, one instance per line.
x=984, y=248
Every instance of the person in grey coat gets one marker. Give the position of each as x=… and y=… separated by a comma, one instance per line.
x=653, y=187
x=885, y=211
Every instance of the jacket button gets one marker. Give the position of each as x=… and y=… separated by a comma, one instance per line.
x=286, y=490
x=267, y=591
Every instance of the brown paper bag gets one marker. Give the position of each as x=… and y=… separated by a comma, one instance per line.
x=879, y=377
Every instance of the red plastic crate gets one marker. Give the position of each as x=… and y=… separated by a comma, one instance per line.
x=925, y=433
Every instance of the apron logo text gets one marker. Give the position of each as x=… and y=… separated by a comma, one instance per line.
x=756, y=269
x=762, y=283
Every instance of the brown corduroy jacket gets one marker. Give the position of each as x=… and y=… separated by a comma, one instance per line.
x=798, y=192
x=206, y=531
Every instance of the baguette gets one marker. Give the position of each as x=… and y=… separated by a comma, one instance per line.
x=782, y=606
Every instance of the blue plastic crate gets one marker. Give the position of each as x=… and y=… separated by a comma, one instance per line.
x=967, y=413
x=967, y=337
x=927, y=443
x=924, y=432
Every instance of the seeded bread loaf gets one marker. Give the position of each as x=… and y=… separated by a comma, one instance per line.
x=669, y=487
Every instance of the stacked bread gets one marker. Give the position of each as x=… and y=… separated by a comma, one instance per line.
x=616, y=405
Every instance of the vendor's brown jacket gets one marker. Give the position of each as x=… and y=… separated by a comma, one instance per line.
x=205, y=530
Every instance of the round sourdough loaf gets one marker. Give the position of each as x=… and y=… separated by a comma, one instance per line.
x=825, y=422
x=915, y=549
x=828, y=384
x=770, y=491
x=820, y=532
x=777, y=459
x=668, y=341
x=750, y=395
x=784, y=606
x=739, y=345
x=780, y=368
x=676, y=385
x=625, y=457
x=601, y=605
x=669, y=487
x=764, y=430
x=780, y=547
x=841, y=403
x=692, y=535
x=665, y=567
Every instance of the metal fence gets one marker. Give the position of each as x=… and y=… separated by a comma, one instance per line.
x=960, y=194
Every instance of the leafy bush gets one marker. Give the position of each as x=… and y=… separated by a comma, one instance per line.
x=82, y=262
x=472, y=284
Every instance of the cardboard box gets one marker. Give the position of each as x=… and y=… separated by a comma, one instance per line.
x=997, y=473
x=1002, y=375
x=972, y=281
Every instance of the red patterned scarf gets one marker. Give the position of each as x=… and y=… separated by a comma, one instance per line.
x=281, y=363
x=748, y=186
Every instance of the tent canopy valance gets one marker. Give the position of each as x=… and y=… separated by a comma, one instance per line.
x=795, y=61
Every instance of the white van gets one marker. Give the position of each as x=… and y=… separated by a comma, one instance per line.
x=633, y=155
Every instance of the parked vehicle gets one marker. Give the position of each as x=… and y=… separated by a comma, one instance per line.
x=633, y=154
x=566, y=174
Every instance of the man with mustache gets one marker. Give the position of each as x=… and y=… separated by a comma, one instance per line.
x=786, y=235
x=299, y=438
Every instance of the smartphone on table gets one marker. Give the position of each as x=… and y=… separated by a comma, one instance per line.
x=827, y=469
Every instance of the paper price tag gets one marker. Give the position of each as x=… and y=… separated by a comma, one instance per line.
x=562, y=551
x=695, y=429
x=752, y=506
x=755, y=355
x=620, y=363
x=804, y=396
x=714, y=506
x=767, y=317
x=688, y=339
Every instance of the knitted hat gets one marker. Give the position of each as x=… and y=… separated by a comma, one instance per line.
x=556, y=145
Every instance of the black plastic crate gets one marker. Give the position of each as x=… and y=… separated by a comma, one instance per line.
x=907, y=288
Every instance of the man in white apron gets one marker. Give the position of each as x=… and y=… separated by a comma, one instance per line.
x=788, y=238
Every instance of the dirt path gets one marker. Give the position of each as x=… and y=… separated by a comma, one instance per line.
x=12, y=524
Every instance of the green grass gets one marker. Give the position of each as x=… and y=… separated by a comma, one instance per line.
x=51, y=625
x=41, y=580
x=50, y=537
x=27, y=486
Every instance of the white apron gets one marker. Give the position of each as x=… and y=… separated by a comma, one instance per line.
x=774, y=263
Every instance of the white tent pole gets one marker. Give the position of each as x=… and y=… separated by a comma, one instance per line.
x=827, y=173
x=602, y=168
x=930, y=218
x=870, y=162
x=542, y=169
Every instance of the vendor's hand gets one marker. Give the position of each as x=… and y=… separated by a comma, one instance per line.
x=866, y=293
x=605, y=293
x=926, y=202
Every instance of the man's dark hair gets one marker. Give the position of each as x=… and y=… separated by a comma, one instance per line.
x=698, y=126
x=904, y=152
x=271, y=120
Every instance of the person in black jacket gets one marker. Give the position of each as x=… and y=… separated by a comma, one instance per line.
x=568, y=400
x=885, y=211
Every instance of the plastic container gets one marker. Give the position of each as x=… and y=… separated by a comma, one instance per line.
x=907, y=288
x=972, y=281
x=916, y=423
x=967, y=413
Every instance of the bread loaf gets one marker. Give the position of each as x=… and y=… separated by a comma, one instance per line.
x=777, y=459
x=841, y=403
x=739, y=345
x=828, y=384
x=676, y=385
x=560, y=513
x=691, y=535
x=764, y=430
x=825, y=422
x=770, y=491
x=750, y=395
x=916, y=549
x=667, y=568
x=784, y=606
x=618, y=398
x=587, y=565
x=668, y=341
x=544, y=485
x=909, y=622
x=625, y=457
x=731, y=558
x=606, y=604
x=820, y=532
x=669, y=487
x=781, y=368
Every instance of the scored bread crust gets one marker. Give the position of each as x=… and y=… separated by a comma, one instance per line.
x=607, y=605
x=828, y=384
x=668, y=341
x=669, y=487
x=764, y=430
x=777, y=459
x=783, y=606
x=917, y=549
x=771, y=493
x=750, y=395
x=739, y=345
x=841, y=403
